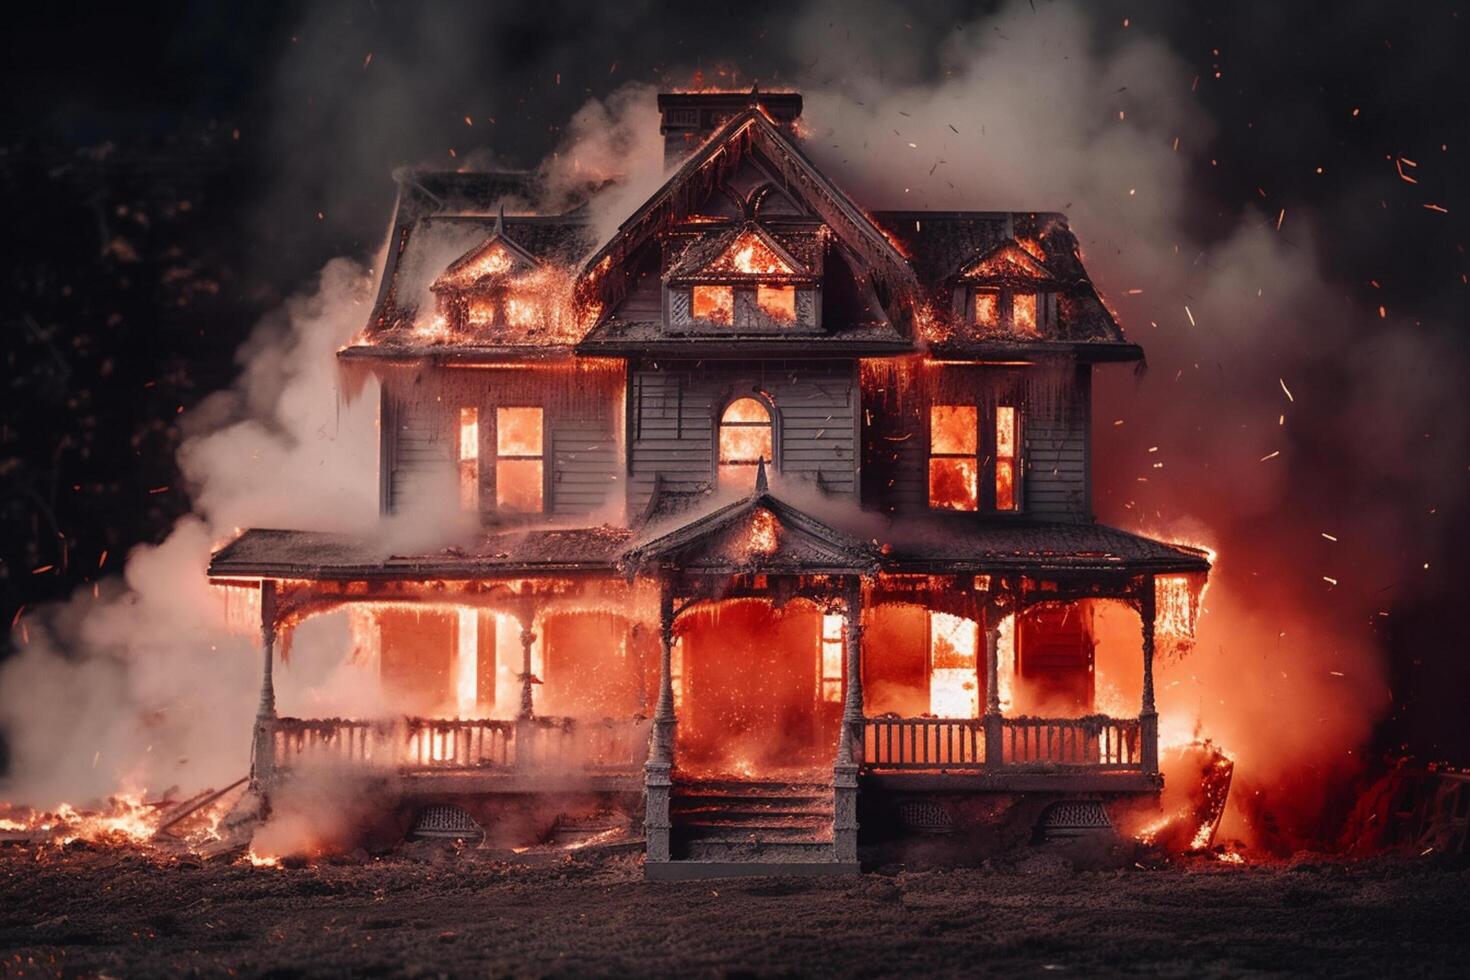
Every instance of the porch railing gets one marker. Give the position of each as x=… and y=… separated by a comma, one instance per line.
x=1093, y=742
x=1096, y=742
x=925, y=743
x=438, y=744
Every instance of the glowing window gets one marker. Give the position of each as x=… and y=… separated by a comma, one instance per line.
x=777, y=302
x=832, y=656
x=745, y=440
x=1023, y=312
x=469, y=459
x=716, y=304
x=519, y=458
x=954, y=466
x=467, y=664
x=987, y=307
x=954, y=688
x=1007, y=439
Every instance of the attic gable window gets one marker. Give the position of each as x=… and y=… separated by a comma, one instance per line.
x=777, y=302
x=715, y=304
x=1016, y=310
x=1023, y=312
x=745, y=440
x=986, y=307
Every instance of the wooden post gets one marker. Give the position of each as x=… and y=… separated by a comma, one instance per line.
x=850, y=739
x=1148, y=716
x=994, y=726
x=658, y=771
x=263, y=744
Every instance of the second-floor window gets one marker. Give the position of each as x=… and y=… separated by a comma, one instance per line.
x=518, y=464
x=745, y=440
x=1017, y=310
x=974, y=458
x=519, y=460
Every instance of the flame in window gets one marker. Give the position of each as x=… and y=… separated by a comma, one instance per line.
x=745, y=440
x=1023, y=312
x=1006, y=438
x=777, y=302
x=518, y=460
x=954, y=687
x=715, y=304
x=953, y=464
x=749, y=255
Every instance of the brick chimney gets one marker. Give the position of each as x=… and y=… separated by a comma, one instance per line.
x=686, y=118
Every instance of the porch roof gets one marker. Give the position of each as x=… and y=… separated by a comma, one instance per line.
x=759, y=533
x=963, y=543
x=272, y=553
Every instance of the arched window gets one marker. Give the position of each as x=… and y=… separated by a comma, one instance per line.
x=745, y=440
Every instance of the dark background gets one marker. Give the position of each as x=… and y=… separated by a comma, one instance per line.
x=170, y=173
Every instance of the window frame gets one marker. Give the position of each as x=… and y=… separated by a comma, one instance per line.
x=488, y=456
x=719, y=425
x=986, y=421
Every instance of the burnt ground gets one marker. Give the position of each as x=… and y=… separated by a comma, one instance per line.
x=89, y=911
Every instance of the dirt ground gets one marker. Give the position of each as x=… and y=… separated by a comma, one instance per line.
x=89, y=911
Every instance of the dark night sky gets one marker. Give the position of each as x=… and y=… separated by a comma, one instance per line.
x=164, y=174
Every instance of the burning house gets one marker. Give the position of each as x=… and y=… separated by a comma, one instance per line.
x=780, y=533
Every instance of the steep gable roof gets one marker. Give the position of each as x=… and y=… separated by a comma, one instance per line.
x=681, y=193
x=758, y=533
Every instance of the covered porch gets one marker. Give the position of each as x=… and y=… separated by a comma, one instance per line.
x=524, y=668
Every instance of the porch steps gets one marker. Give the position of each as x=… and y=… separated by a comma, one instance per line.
x=736, y=821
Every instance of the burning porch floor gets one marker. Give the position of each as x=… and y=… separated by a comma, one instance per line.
x=89, y=909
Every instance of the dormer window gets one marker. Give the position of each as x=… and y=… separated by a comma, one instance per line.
x=1008, y=289
x=1019, y=311
x=777, y=302
x=1023, y=312
x=715, y=304
x=986, y=307
x=745, y=279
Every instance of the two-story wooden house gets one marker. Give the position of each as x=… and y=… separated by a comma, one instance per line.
x=780, y=526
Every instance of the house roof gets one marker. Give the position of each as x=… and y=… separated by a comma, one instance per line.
x=443, y=218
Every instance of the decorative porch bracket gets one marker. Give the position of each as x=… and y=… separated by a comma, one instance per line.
x=526, y=740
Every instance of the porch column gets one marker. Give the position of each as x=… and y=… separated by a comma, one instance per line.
x=263, y=742
x=850, y=740
x=1148, y=717
x=526, y=748
x=657, y=772
x=994, y=728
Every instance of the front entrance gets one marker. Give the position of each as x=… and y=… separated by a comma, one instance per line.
x=754, y=699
